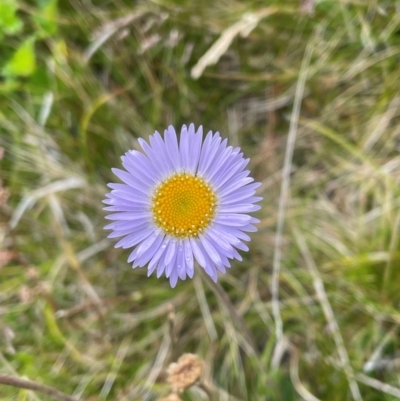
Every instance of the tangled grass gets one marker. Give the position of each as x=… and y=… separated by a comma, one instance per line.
x=312, y=97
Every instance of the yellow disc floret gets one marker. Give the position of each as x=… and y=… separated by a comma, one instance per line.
x=183, y=205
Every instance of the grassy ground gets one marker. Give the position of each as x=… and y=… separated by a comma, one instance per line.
x=312, y=313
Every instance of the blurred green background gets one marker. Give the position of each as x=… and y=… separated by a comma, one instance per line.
x=81, y=80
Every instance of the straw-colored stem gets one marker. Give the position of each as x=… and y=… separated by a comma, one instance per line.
x=17, y=382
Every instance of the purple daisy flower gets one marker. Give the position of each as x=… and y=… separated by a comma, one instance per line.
x=183, y=201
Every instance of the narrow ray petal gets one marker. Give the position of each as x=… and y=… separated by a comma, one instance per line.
x=210, y=250
x=147, y=249
x=155, y=158
x=171, y=143
x=241, y=208
x=171, y=265
x=133, y=239
x=180, y=262
x=157, y=257
x=160, y=151
x=184, y=147
x=173, y=278
x=128, y=216
x=132, y=182
x=195, y=149
x=209, y=154
x=189, y=258
x=170, y=252
x=140, y=166
x=197, y=252
x=209, y=265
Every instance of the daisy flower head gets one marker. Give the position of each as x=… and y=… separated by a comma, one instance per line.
x=183, y=200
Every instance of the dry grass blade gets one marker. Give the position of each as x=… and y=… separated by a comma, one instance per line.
x=205, y=309
x=241, y=324
x=119, y=358
x=145, y=390
x=30, y=385
x=294, y=375
x=284, y=196
x=243, y=27
x=377, y=384
x=105, y=32
x=328, y=312
x=29, y=200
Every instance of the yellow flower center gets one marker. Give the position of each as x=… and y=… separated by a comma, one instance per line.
x=183, y=205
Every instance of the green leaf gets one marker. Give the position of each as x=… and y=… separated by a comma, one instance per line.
x=23, y=61
x=46, y=18
x=9, y=85
x=9, y=22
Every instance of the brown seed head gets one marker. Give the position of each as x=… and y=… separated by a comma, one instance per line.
x=4, y=194
x=171, y=397
x=185, y=372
